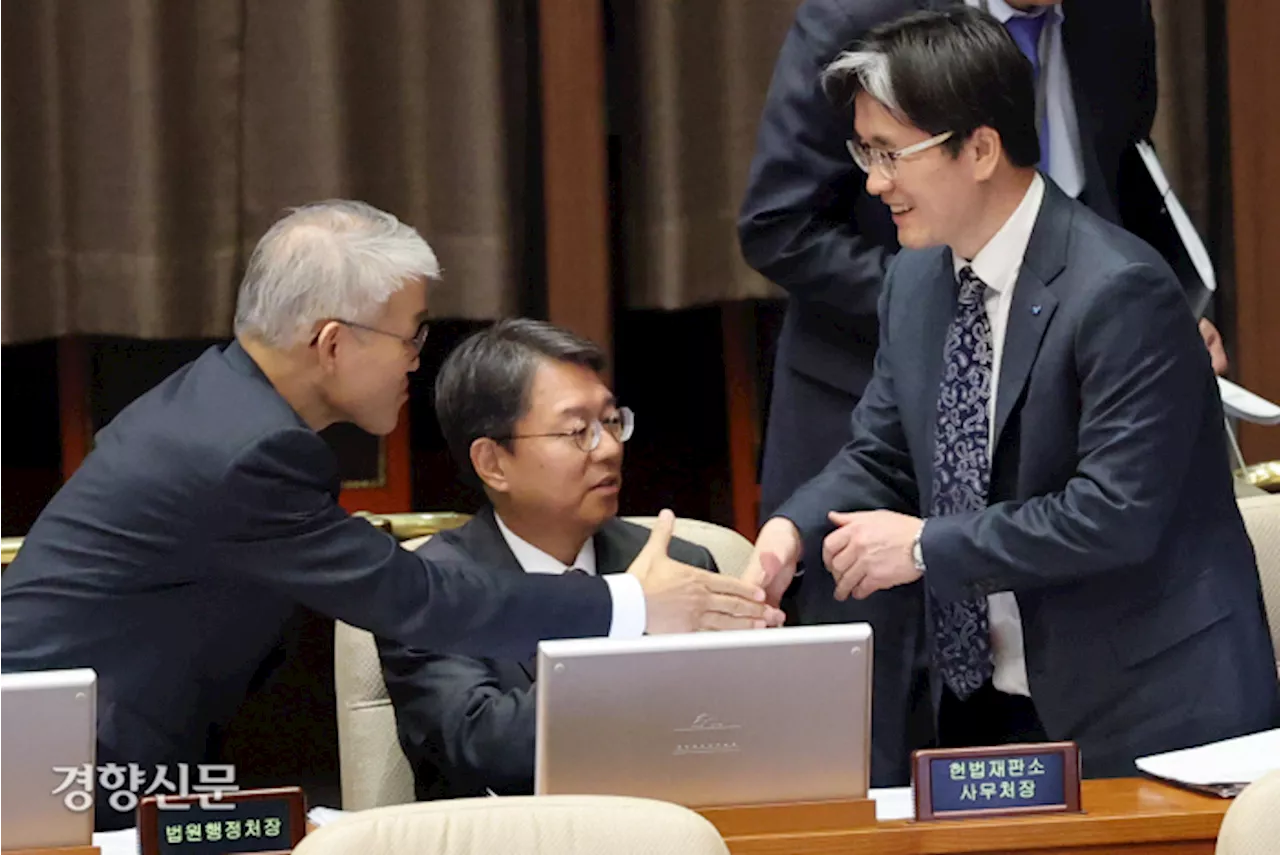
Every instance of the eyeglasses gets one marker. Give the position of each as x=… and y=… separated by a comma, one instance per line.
x=886, y=162
x=417, y=341
x=620, y=426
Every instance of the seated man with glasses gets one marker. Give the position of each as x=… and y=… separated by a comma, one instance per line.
x=523, y=407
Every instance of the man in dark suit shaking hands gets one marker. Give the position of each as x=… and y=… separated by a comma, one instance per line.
x=810, y=224
x=208, y=508
x=525, y=411
x=1039, y=454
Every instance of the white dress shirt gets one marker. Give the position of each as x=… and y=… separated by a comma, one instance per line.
x=629, y=613
x=1054, y=99
x=997, y=264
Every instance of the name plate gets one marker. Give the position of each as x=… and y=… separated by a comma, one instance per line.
x=955, y=783
x=258, y=821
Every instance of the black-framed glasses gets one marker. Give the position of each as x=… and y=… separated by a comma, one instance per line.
x=620, y=426
x=417, y=341
x=886, y=162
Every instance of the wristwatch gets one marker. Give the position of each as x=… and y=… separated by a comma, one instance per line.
x=917, y=553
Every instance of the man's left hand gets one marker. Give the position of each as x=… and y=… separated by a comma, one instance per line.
x=1213, y=342
x=870, y=551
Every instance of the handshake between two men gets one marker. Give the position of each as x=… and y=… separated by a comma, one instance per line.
x=867, y=552
x=683, y=598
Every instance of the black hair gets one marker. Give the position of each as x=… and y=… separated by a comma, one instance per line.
x=954, y=70
x=483, y=387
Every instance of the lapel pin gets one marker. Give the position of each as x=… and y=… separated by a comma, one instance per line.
x=1035, y=310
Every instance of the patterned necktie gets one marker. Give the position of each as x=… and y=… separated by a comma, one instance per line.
x=1025, y=30
x=961, y=476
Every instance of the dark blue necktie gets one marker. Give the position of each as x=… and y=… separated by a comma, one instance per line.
x=961, y=476
x=1026, y=30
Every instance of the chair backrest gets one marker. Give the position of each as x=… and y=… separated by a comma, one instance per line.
x=374, y=770
x=521, y=825
x=731, y=550
x=373, y=767
x=1252, y=823
x=1262, y=519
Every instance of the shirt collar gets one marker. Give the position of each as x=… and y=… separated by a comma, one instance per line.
x=1002, y=11
x=534, y=560
x=997, y=263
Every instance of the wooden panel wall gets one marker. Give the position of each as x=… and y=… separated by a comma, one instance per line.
x=575, y=167
x=1253, y=31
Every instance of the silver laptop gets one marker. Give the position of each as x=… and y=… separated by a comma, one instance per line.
x=705, y=719
x=48, y=720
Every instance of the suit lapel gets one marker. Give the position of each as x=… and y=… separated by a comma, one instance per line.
x=617, y=545
x=482, y=540
x=1033, y=303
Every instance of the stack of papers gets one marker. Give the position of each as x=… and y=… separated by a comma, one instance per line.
x=893, y=803
x=1242, y=404
x=123, y=842
x=324, y=815
x=1219, y=768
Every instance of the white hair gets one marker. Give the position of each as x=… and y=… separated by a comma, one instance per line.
x=871, y=68
x=338, y=260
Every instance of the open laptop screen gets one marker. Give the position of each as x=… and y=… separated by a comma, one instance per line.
x=48, y=720
x=708, y=719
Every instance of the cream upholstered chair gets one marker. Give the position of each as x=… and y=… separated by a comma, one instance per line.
x=1252, y=823
x=1262, y=519
x=520, y=825
x=730, y=549
x=374, y=770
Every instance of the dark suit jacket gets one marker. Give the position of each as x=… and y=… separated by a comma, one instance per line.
x=808, y=224
x=466, y=724
x=1111, y=512
x=170, y=560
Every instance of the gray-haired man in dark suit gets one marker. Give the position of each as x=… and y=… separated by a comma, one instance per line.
x=208, y=510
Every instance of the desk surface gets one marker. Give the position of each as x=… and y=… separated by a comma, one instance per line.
x=1128, y=815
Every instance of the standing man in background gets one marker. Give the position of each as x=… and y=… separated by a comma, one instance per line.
x=809, y=225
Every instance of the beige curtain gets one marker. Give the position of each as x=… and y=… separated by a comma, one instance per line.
x=120, y=139
x=147, y=144
x=690, y=87
x=417, y=107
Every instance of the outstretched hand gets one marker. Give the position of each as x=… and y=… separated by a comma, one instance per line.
x=683, y=598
